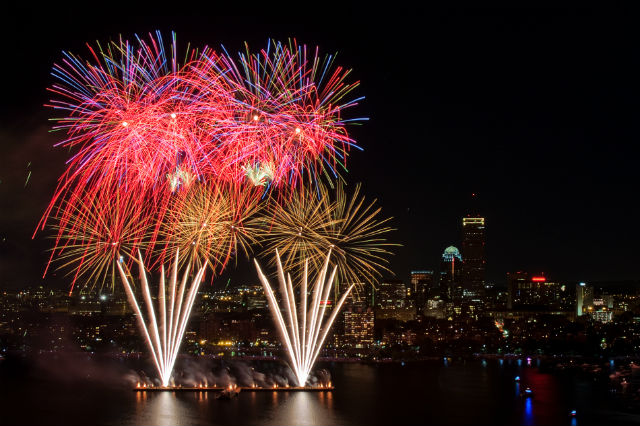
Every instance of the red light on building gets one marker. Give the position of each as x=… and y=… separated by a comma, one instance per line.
x=325, y=302
x=538, y=279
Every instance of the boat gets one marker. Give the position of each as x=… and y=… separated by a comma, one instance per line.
x=527, y=393
x=228, y=393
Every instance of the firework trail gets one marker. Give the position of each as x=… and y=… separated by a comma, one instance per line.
x=164, y=331
x=302, y=328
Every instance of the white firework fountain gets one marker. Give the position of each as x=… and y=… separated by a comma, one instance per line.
x=302, y=329
x=163, y=335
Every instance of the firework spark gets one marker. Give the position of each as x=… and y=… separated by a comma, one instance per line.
x=302, y=329
x=211, y=223
x=306, y=224
x=96, y=234
x=289, y=104
x=142, y=118
x=164, y=332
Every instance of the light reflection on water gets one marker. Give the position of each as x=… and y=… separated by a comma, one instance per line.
x=305, y=408
x=164, y=408
x=271, y=408
x=462, y=392
x=528, y=413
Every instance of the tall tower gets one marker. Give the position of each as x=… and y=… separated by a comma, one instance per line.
x=474, y=263
x=422, y=283
x=450, y=273
x=584, y=298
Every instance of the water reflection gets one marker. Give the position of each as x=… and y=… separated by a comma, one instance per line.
x=305, y=408
x=528, y=412
x=463, y=392
x=162, y=408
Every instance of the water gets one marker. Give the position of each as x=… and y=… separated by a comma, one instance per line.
x=449, y=393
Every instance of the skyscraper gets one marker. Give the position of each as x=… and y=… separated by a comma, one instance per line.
x=584, y=298
x=473, y=267
x=391, y=294
x=422, y=282
x=515, y=281
x=358, y=327
x=450, y=273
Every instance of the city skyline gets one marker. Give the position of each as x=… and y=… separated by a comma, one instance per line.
x=346, y=215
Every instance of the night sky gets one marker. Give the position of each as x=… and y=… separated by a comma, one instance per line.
x=534, y=110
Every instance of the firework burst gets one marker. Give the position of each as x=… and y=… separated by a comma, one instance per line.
x=310, y=222
x=211, y=223
x=289, y=106
x=95, y=233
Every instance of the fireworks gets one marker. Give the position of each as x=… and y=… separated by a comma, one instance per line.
x=302, y=328
x=309, y=223
x=138, y=116
x=96, y=233
x=164, y=333
x=175, y=152
x=288, y=107
x=211, y=223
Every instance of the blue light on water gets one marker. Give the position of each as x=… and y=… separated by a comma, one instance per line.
x=517, y=379
x=528, y=412
x=519, y=362
x=501, y=361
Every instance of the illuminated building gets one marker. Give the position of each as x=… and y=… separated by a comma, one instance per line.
x=451, y=273
x=358, y=327
x=421, y=279
x=392, y=302
x=86, y=302
x=535, y=291
x=422, y=284
x=515, y=281
x=391, y=294
x=254, y=298
x=602, y=315
x=474, y=263
x=434, y=308
x=584, y=298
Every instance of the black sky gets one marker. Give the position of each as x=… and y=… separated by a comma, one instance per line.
x=535, y=110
